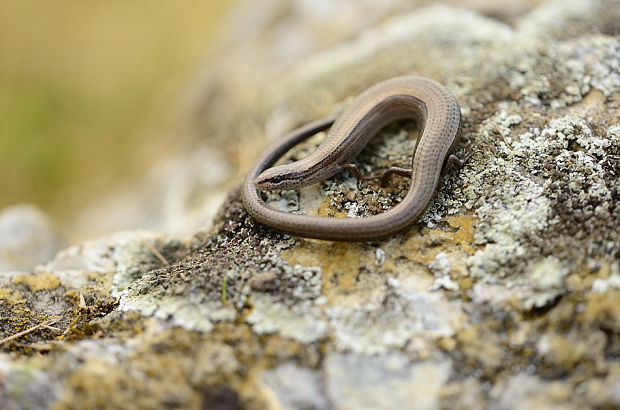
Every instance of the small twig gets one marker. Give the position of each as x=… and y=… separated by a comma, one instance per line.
x=53, y=329
x=32, y=329
x=73, y=323
x=225, y=290
x=502, y=135
x=159, y=255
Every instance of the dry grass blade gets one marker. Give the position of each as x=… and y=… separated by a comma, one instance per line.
x=30, y=330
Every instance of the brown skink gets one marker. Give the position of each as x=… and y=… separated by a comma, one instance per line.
x=425, y=100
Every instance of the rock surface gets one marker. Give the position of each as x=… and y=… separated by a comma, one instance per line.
x=28, y=237
x=503, y=296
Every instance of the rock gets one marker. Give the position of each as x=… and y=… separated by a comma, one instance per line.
x=28, y=237
x=35, y=389
x=294, y=387
x=384, y=382
x=504, y=294
x=178, y=197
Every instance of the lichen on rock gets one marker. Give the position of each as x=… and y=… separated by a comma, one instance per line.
x=503, y=295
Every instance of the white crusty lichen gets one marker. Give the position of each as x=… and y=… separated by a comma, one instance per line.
x=302, y=322
x=394, y=317
x=543, y=282
x=441, y=268
x=612, y=281
x=516, y=207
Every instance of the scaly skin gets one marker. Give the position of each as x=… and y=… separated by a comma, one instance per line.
x=401, y=97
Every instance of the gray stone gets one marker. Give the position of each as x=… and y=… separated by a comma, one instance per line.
x=384, y=382
x=28, y=237
x=504, y=295
x=294, y=387
x=25, y=387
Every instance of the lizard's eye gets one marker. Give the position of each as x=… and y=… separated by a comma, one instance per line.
x=276, y=179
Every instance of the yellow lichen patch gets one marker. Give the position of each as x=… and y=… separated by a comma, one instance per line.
x=174, y=366
x=602, y=308
x=562, y=316
x=605, y=270
x=575, y=281
x=464, y=236
x=446, y=343
x=340, y=263
x=582, y=278
x=43, y=281
x=253, y=353
x=466, y=283
x=424, y=246
x=481, y=346
x=326, y=210
x=591, y=101
x=567, y=352
x=11, y=297
x=98, y=384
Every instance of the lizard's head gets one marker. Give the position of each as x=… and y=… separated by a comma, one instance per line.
x=280, y=177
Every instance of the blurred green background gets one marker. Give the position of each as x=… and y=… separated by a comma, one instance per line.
x=81, y=81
